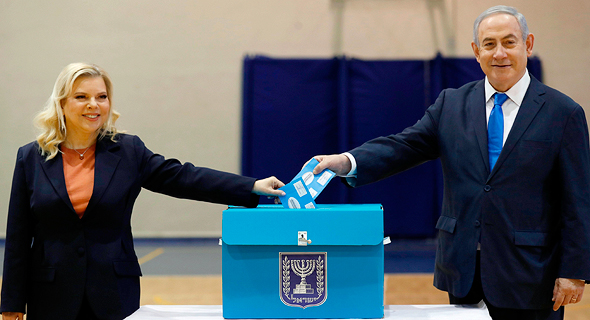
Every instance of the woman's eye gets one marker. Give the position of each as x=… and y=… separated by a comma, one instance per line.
x=80, y=97
x=103, y=97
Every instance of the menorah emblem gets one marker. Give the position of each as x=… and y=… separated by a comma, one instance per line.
x=310, y=268
x=303, y=270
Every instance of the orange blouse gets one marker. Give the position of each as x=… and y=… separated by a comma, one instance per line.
x=79, y=175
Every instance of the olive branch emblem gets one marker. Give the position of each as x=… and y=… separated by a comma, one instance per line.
x=320, y=275
x=286, y=276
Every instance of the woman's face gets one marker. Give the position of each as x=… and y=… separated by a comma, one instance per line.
x=87, y=108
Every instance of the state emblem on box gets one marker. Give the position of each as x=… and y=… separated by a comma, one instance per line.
x=318, y=263
x=297, y=269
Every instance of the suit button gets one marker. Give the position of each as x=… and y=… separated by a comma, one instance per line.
x=81, y=251
x=477, y=223
x=487, y=188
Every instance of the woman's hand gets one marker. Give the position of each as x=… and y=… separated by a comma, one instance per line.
x=13, y=316
x=268, y=187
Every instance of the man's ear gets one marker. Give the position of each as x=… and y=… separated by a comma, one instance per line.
x=530, y=41
x=475, y=51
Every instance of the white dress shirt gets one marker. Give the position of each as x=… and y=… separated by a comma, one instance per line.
x=512, y=105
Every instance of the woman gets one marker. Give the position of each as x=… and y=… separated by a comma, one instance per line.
x=69, y=249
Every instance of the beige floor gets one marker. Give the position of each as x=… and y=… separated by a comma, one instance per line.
x=399, y=289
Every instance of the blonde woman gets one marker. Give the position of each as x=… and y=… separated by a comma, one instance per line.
x=69, y=248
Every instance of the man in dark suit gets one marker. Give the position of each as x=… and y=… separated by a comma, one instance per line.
x=515, y=223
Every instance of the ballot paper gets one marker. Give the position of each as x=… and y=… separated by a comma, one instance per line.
x=315, y=183
x=297, y=196
x=301, y=192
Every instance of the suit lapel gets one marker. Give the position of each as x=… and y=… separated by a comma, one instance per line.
x=476, y=105
x=54, y=170
x=531, y=104
x=105, y=166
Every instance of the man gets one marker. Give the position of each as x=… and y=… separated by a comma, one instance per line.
x=515, y=223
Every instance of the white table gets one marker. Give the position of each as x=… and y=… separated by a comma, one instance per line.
x=394, y=312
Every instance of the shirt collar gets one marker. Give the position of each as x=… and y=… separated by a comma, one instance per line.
x=516, y=93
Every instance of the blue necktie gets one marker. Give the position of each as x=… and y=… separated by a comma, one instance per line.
x=496, y=129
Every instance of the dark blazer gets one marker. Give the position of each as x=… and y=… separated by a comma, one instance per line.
x=53, y=258
x=531, y=213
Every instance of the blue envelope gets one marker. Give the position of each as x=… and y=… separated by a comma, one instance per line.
x=297, y=196
x=314, y=183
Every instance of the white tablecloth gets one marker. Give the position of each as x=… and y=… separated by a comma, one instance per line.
x=394, y=312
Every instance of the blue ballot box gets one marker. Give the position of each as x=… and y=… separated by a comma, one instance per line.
x=294, y=263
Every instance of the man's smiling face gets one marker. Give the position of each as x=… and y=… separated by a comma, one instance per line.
x=501, y=52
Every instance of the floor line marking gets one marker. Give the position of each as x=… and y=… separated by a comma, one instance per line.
x=151, y=255
x=161, y=301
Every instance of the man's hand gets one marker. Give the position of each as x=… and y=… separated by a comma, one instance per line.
x=338, y=163
x=567, y=291
x=13, y=316
x=268, y=187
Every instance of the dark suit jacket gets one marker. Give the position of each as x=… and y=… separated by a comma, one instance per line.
x=531, y=213
x=53, y=258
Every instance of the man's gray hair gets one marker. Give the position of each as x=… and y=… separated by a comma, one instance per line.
x=501, y=9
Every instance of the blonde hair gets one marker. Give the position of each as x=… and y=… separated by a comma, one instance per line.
x=51, y=121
